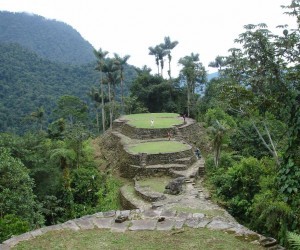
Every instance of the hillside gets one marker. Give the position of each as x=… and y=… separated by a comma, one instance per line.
x=50, y=39
x=28, y=82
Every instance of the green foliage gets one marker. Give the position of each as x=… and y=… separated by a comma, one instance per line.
x=238, y=184
x=226, y=160
x=71, y=108
x=289, y=182
x=109, y=194
x=28, y=81
x=16, y=190
x=217, y=114
x=85, y=183
x=155, y=93
x=271, y=215
x=12, y=225
x=293, y=240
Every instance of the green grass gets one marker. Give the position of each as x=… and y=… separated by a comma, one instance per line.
x=156, y=184
x=161, y=120
x=158, y=147
x=103, y=239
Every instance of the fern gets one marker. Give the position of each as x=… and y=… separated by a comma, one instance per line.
x=294, y=240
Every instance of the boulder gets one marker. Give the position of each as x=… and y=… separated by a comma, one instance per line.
x=175, y=186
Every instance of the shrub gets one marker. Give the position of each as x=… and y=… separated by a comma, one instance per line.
x=12, y=225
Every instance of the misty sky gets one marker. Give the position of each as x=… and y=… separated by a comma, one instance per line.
x=131, y=26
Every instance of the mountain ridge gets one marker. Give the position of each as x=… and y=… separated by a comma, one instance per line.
x=49, y=38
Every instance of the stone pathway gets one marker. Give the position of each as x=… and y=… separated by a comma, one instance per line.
x=135, y=220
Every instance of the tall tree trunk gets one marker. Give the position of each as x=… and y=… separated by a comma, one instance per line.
x=102, y=104
x=97, y=121
x=169, y=59
x=122, y=97
x=188, y=100
x=110, y=107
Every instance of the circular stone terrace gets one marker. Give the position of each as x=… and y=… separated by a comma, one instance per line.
x=153, y=120
x=156, y=147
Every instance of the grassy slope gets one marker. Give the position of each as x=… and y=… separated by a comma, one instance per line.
x=161, y=120
x=103, y=239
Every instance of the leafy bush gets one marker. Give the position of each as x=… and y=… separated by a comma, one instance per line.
x=218, y=114
x=238, y=184
x=11, y=225
x=109, y=194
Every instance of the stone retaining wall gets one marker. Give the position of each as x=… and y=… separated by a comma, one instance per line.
x=161, y=158
x=125, y=203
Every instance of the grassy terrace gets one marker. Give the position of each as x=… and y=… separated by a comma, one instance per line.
x=104, y=239
x=157, y=184
x=158, y=147
x=161, y=120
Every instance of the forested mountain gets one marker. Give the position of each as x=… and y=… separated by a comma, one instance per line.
x=28, y=82
x=50, y=39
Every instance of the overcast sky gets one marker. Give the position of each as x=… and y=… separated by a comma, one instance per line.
x=207, y=27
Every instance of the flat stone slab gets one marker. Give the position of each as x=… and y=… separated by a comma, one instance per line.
x=70, y=225
x=240, y=230
x=219, y=225
x=109, y=214
x=85, y=223
x=203, y=223
x=198, y=215
x=151, y=213
x=4, y=247
x=15, y=240
x=119, y=227
x=165, y=225
x=184, y=215
x=103, y=222
x=135, y=214
x=168, y=213
x=125, y=213
x=178, y=224
x=143, y=225
x=51, y=228
x=192, y=222
x=98, y=215
x=36, y=233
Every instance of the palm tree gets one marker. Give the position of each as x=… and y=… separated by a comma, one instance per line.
x=159, y=53
x=219, y=62
x=218, y=131
x=100, y=55
x=168, y=45
x=194, y=72
x=111, y=79
x=95, y=97
x=153, y=52
x=121, y=62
